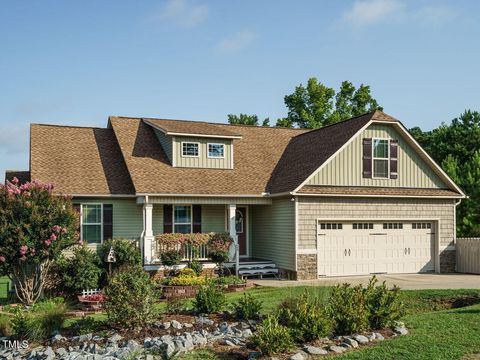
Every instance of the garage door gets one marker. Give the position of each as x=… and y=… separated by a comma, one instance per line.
x=358, y=248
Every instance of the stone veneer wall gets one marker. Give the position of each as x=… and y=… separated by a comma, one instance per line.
x=312, y=208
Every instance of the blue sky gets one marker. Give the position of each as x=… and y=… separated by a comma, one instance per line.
x=76, y=62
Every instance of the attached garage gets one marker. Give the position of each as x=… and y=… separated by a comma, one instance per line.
x=372, y=247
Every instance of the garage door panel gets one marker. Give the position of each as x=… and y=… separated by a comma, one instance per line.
x=374, y=247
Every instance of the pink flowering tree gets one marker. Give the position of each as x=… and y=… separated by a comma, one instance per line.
x=35, y=227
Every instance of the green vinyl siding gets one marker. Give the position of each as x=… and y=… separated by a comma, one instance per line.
x=157, y=219
x=127, y=216
x=213, y=218
x=345, y=169
x=273, y=232
x=166, y=142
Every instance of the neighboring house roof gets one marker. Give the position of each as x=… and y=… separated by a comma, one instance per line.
x=256, y=155
x=375, y=191
x=198, y=128
x=22, y=176
x=78, y=160
x=126, y=158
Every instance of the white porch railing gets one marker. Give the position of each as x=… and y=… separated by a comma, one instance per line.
x=188, y=251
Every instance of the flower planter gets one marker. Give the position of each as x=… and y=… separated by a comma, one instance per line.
x=179, y=291
x=238, y=287
x=91, y=302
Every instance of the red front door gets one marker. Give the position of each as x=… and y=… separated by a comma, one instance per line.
x=241, y=227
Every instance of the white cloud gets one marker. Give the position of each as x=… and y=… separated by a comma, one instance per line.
x=183, y=13
x=365, y=13
x=368, y=12
x=236, y=42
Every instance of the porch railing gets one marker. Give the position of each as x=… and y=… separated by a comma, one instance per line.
x=188, y=251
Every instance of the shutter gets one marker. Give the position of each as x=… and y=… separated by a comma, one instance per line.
x=197, y=218
x=367, y=158
x=107, y=221
x=167, y=219
x=77, y=209
x=393, y=159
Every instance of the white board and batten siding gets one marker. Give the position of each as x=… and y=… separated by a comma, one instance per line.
x=468, y=255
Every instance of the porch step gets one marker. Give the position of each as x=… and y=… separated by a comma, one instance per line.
x=259, y=268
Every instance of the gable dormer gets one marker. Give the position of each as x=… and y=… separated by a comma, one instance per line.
x=195, y=144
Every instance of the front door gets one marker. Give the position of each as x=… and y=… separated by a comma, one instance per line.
x=241, y=227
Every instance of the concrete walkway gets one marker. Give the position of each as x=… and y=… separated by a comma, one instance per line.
x=404, y=281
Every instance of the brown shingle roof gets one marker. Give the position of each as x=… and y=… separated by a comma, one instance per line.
x=78, y=160
x=192, y=127
x=256, y=155
x=22, y=176
x=390, y=191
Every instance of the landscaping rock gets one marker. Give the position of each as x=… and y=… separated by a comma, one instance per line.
x=313, y=350
x=379, y=337
x=49, y=353
x=58, y=338
x=62, y=352
x=253, y=355
x=202, y=321
x=337, y=349
x=351, y=342
x=345, y=345
x=371, y=337
x=361, y=339
x=176, y=324
x=400, y=330
x=187, y=325
x=247, y=333
x=86, y=337
x=297, y=356
x=115, y=338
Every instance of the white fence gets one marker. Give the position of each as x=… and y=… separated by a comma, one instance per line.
x=468, y=255
x=189, y=252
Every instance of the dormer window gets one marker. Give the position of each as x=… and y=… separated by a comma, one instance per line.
x=190, y=149
x=380, y=158
x=216, y=150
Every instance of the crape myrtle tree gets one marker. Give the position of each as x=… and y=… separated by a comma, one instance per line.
x=35, y=227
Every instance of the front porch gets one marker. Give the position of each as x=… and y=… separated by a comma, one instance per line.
x=215, y=215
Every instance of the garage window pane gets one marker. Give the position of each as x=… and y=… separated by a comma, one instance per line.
x=340, y=226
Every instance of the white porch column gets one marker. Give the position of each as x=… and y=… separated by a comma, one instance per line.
x=234, y=253
x=148, y=237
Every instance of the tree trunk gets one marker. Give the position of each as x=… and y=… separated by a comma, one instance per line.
x=29, y=280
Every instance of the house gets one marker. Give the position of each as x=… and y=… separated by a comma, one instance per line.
x=357, y=197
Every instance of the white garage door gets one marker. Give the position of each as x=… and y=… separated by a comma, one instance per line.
x=358, y=248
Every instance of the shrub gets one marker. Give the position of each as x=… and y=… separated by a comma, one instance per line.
x=209, y=299
x=171, y=257
x=40, y=321
x=272, y=338
x=348, y=310
x=220, y=242
x=305, y=317
x=130, y=298
x=187, y=281
x=218, y=256
x=247, y=308
x=6, y=328
x=229, y=280
x=383, y=305
x=83, y=271
x=176, y=306
x=126, y=253
x=196, y=266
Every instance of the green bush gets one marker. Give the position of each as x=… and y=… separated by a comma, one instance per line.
x=126, y=253
x=383, y=305
x=218, y=256
x=196, y=266
x=228, y=280
x=6, y=328
x=348, y=310
x=247, y=308
x=209, y=299
x=40, y=321
x=130, y=298
x=272, y=338
x=176, y=306
x=306, y=318
x=82, y=272
x=171, y=257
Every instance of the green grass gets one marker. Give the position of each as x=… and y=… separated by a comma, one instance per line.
x=4, y=286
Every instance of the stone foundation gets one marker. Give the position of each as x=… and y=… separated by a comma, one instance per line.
x=307, y=267
x=448, y=261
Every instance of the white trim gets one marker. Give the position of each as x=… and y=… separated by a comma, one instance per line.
x=215, y=157
x=388, y=196
x=174, y=152
x=296, y=233
x=172, y=133
x=102, y=195
x=387, y=159
x=153, y=267
x=436, y=228
x=203, y=195
x=96, y=224
x=190, y=142
x=231, y=155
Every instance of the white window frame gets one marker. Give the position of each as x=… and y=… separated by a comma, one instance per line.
x=190, y=142
x=377, y=158
x=215, y=157
x=101, y=224
x=191, y=217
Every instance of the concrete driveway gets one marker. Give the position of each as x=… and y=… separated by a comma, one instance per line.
x=404, y=281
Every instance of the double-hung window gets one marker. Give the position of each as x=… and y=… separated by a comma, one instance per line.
x=380, y=158
x=216, y=150
x=182, y=219
x=190, y=149
x=92, y=223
